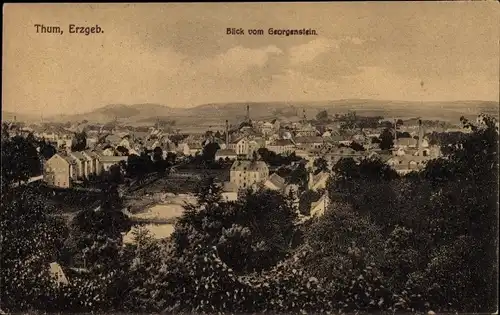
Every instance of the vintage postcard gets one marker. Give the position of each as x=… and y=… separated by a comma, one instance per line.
x=250, y=158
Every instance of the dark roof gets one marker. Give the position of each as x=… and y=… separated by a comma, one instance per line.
x=225, y=152
x=314, y=139
x=282, y=142
x=248, y=165
x=277, y=180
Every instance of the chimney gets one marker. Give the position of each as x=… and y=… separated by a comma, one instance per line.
x=304, y=114
x=248, y=113
x=227, y=134
x=395, y=130
x=420, y=136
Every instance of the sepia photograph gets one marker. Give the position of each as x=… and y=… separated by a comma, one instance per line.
x=250, y=158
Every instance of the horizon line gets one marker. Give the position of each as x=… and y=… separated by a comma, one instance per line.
x=254, y=102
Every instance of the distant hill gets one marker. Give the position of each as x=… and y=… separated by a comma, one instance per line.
x=214, y=115
x=121, y=112
x=11, y=116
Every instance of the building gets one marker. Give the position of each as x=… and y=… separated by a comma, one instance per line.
x=405, y=143
x=93, y=160
x=319, y=207
x=225, y=154
x=246, y=174
x=275, y=182
x=407, y=163
x=82, y=163
x=57, y=274
x=125, y=142
x=241, y=146
x=308, y=143
x=333, y=155
x=318, y=181
x=194, y=148
x=59, y=171
x=108, y=152
x=183, y=148
x=282, y=146
x=266, y=128
x=107, y=161
x=229, y=191
x=292, y=190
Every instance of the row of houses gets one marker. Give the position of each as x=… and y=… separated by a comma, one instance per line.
x=61, y=170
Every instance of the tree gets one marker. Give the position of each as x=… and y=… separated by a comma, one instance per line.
x=356, y=146
x=306, y=198
x=299, y=175
x=171, y=157
x=160, y=164
x=251, y=234
x=320, y=165
x=97, y=232
x=386, y=124
x=135, y=166
x=209, y=150
x=80, y=141
x=122, y=150
x=30, y=241
x=47, y=150
x=322, y=115
x=404, y=134
x=349, y=121
x=20, y=160
x=386, y=139
x=345, y=248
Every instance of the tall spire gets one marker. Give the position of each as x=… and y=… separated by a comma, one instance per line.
x=420, y=136
x=304, y=117
x=227, y=134
x=395, y=129
x=248, y=113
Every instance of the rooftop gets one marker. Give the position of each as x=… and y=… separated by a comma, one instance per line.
x=277, y=180
x=225, y=152
x=251, y=166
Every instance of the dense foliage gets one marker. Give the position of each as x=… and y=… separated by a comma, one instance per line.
x=388, y=243
x=273, y=159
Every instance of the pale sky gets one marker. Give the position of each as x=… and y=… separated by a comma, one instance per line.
x=179, y=54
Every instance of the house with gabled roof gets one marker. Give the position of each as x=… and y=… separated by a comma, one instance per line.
x=246, y=174
x=407, y=163
x=275, y=182
x=240, y=146
x=282, y=146
x=57, y=274
x=59, y=171
x=229, y=191
x=107, y=161
x=311, y=142
x=319, y=207
x=82, y=163
x=405, y=143
x=318, y=181
x=225, y=154
x=93, y=161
